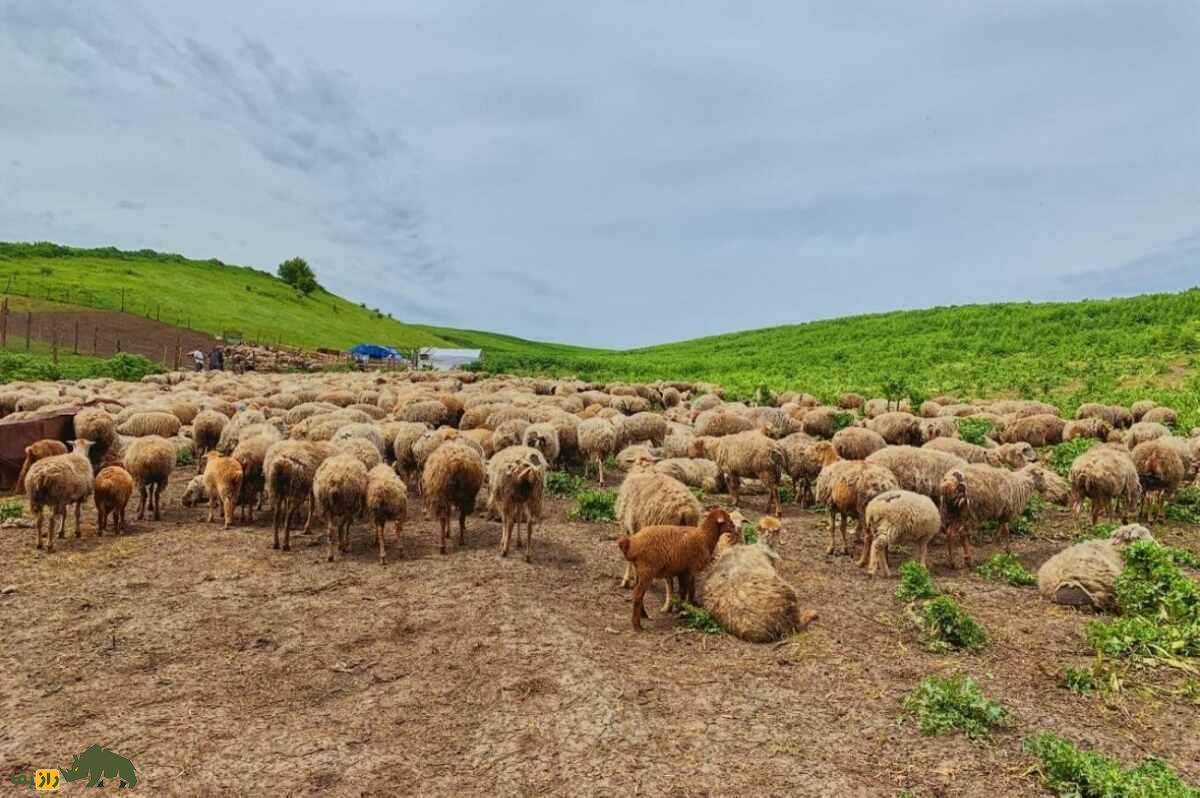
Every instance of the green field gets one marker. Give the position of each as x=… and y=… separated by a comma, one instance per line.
x=1067, y=353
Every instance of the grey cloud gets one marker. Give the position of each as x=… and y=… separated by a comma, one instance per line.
x=129, y=205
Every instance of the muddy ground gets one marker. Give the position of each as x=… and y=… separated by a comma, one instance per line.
x=220, y=666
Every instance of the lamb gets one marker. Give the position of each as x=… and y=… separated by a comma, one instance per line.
x=39, y=450
x=387, y=501
x=977, y=493
x=898, y=516
x=857, y=443
x=597, y=442
x=1039, y=429
x=1010, y=455
x=746, y=595
x=917, y=470
x=805, y=458
x=693, y=472
x=666, y=552
x=452, y=477
x=1085, y=575
x=1092, y=427
x=516, y=483
x=58, y=481
x=848, y=486
x=648, y=498
x=149, y=461
x=1160, y=472
x=154, y=422
x=206, y=433
x=340, y=491
x=222, y=483
x=897, y=428
x=290, y=468
x=543, y=437
x=752, y=454
x=112, y=490
x=1107, y=477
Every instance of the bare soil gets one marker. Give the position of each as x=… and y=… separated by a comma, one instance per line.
x=104, y=333
x=220, y=666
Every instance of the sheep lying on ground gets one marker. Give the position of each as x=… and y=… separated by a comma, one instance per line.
x=1106, y=477
x=516, y=483
x=899, y=516
x=39, y=450
x=387, y=502
x=451, y=478
x=746, y=595
x=112, y=490
x=752, y=454
x=846, y=487
x=340, y=491
x=597, y=442
x=150, y=461
x=1160, y=471
x=222, y=484
x=58, y=481
x=1010, y=455
x=1085, y=575
x=666, y=552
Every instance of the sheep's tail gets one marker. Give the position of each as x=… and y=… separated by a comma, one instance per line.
x=624, y=543
x=20, y=486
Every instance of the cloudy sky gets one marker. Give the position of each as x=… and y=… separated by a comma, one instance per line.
x=618, y=173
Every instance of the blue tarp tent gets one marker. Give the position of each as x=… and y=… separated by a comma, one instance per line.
x=375, y=352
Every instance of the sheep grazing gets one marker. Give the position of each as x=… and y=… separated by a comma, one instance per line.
x=805, y=457
x=1161, y=415
x=857, y=443
x=516, y=483
x=648, y=498
x=206, y=433
x=58, y=481
x=897, y=428
x=1010, y=455
x=1085, y=575
x=543, y=437
x=150, y=461
x=39, y=450
x=666, y=552
x=720, y=422
x=894, y=517
x=340, y=491
x=222, y=483
x=1039, y=429
x=452, y=478
x=290, y=468
x=387, y=502
x=1141, y=408
x=693, y=472
x=641, y=427
x=1108, y=479
x=1160, y=472
x=752, y=454
x=746, y=595
x=1145, y=431
x=112, y=490
x=597, y=442
x=154, y=422
x=977, y=493
x=251, y=454
x=1091, y=427
x=407, y=433
x=847, y=487
x=917, y=470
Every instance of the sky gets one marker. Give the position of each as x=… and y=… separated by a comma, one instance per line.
x=621, y=173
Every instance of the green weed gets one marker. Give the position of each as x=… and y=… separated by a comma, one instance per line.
x=974, y=430
x=940, y=704
x=564, y=483
x=1069, y=771
x=915, y=583
x=593, y=504
x=1064, y=454
x=1003, y=567
x=948, y=627
x=698, y=619
x=11, y=509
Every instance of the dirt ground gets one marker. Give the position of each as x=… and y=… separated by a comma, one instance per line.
x=220, y=666
x=101, y=331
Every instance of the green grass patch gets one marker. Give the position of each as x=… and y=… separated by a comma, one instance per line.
x=1078, y=680
x=564, y=483
x=1070, y=771
x=974, y=430
x=1184, y=508
x=1005, y=567
x=698, y=619
x=184, y=457
x=948, y=627
x=22, y=367
x=1064, y=454
x=592, y=504
x=786, y=494
x=915, y=583
x=942, y=704
x=750, y=532
x=11, y=509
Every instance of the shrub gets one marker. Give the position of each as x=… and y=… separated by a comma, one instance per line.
x=948, y=627
x=1185, y=507
x=786, y=494
x=1005, y=567
x=11, y=509
x=594, y=505
x=1069, y=771
x=183, y=457
x=974, y=430
x=563, y=483
x=1078, y=680
x=915, y=582
x=954, y=702
x=698, y=619
x=1064, y=454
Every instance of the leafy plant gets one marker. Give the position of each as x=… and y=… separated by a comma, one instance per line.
x=1079, y=680
x=842, y=420
x=1064, y=454
x=750, y=532
x=699, y=619
x=593, y=504
x=786, y=494
x=1004, y=567
x=1185, y=506
x=948, y=627
x=563, y=483
x=183, y=457
x=1069, y=771
x=954, y=702
x=11, y=509
x=974, y=430
x=915, y=582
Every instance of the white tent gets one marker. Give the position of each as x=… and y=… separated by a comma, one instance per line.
x=447, y=359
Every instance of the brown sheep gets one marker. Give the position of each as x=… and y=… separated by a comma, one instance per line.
x=112, y=490
x=149, y=461
x=206, y=433
x=452, y=477
x=516, y=483
x=898, y=428
x=857, y=443
x=1039, y=429
x=58, y=481
x=222, y=483
x=805, y=458
x=1107, y=477
x=290, y=468
x=752, y=454
x=387, y=501
x=846, y=487
x=47, y=447
x=667, y=552
x=1090, y=427
x=340, y=490
x=1160, y=472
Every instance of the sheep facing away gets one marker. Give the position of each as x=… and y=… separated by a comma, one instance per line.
x=38, y=450
x=387, y=502
x=112, y=490
x=149, y=461
x=340, y=490
x=516, y=483
x=1108, y=479
x=290, y=467
x=223, y=484
x=598, y=440
x=899, y=516
x=1160, y=472
x=58, y=481
x=752, y=454
x=452, y=477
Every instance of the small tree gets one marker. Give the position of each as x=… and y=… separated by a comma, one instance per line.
x=297, y=273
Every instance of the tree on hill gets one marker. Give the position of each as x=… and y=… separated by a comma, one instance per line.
x=297, y=273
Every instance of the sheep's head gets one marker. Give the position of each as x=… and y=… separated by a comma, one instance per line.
x=1049, y=485
x=195, y=492
x=1130, y=533
x=1017, y=455
x=770, y=530
x=642, y=460
x=717, y=523
x=825, y=453
x=954, y=491
x=82, y=446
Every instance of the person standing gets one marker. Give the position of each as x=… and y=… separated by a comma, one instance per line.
x=197, y=359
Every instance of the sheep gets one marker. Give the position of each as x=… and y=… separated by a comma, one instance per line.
x=977, y=493
x=251, y=454
x=917, y=470
x=897, y=428
x=206, y=433
x=58, y=481
x=452, y=476
x=290, y=468
x=648, y=498
x=1010, y=455
x=642, y=427
x=629, y=405
x=340, y=491
x=149, y=461
x=705, y=447
x=111, y=491
x=1161, y=415
x=222, y=483
x=752, y=454
x=706, y=401
x=666, y=552
x=631, y=454
x=846, y=487
x=671, y=396
x=361, y=448
x=1085, y=575
x=1141, y=408
x=365, y=431
x=543, y=436
x=819, y=422
x=597, y=442
x=509, y=433
x=929, y=409
x=1039, y=429
x=1160, y=472
x=805, y=458
x=941, y=427
x=96, y=424
x=856, y=443
x=1091, y=427
x=746, y=595
x=721, y=421
x=693, y=472
x=406, y=435
x=898, y=516
x=387, y=501
x=1106, y=476
x=516, y=483
x=154, y=422
x=39, y=450
x=1145, y=431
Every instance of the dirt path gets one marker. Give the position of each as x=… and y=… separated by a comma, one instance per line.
x=220, y=666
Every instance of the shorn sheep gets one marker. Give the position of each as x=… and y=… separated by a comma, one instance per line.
x=223, y=484
x=112, y=490
x=387, y=502
x=1085, y=575
x=666, y=552
x=150, y=461
x=746, y=595
x=340, y=490
x=58, y=481
x=899, y=516
x=846, y=487
x=752, y=454
x=516, y=484
x=38, y=450
x=1108, y=479
x=452, y=477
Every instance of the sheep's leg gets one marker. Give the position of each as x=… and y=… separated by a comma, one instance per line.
x=832, y=530
x=329, y=535
x=399, y=524
x=228, y=508
x=878, y=555
x=462, y=526
x=797, y=493
x=78, y=519
x=1004, y=535
x=734, y=485
x=212, y=505
x=381, y=527
x=924, y=549
x=528, y=537
x=627, y=579
x=290, y=510
x=639, y=595
x=279, y=508
x=845, y=541
x=868, y=538
x=40, y=519
x=949, y=532
x=308, y=519
x=505, y=531
x=600, y=468
x=444, y=526
x=344, y=534
x=666, y=607
x=965, y=540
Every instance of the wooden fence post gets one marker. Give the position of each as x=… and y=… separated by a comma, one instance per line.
x=95, y=341
x=54, y=343
x=178, y=351
x=77, y=338
x=4, y=324
x=28, y=327
x=122, y=300
x=118, y=347
x=166, y=349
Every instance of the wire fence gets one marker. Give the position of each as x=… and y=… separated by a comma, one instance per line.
x=117, y=299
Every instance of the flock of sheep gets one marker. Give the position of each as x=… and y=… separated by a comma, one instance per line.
x=350, y=447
